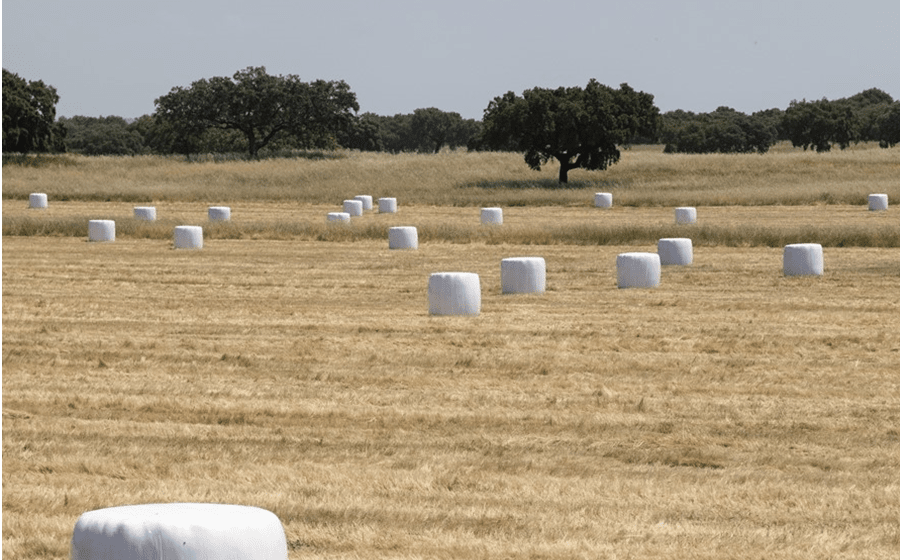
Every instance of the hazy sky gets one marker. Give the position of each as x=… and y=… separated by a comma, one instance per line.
x=114, y=57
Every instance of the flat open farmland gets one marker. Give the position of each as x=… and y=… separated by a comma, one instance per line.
x=729, y=413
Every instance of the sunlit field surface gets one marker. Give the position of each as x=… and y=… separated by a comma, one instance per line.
x=732, y=412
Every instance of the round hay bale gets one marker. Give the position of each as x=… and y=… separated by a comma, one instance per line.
x=803, y=259
x=675, y=251
x=145, y=213
x=403, y=237
x=454, y=293
x=101, y=230
x=685, y=215
x=339, y=217
x=366, y=201
x=387, y=205
x=219, y=213
x=523, y=275
x=179, y=532
x=353, y=207
x=492, y=216
x=37, y=200
x=188, y=237
x=638, y=270
x=603, y=200
x=878, y=202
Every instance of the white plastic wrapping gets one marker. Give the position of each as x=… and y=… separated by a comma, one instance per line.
x=603, y=200
x=353, y=207
x=492, y=216
x=454, y=293
x=523, y=275
x=188, y=237
x=219, y=213
x=803, y=259
x=387, y=205
x=638, y=270
x=675, y=251
x=101, y=230
x=403, y=237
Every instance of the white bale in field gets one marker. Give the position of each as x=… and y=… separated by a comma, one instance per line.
x=179, y=532
x=37, y=200
x=101, y=230
x=403, y=237
x=685, y=215
x=603, y=200
x=803, y=259
x=188, y=237
x=454, y=293
x=878, y=202
x=523, y=275
x=219, y=213
x=353, y=207
x=339, y=217
x=675, y=251
x=492, y=216
x=145, y=213
x=638, y=270
x=365, y=199
x=387, y=205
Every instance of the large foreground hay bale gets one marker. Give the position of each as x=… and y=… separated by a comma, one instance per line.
x=603, y=200
x=675, y=251
x=685, y=215
x=178, y=532
x=101, y=230
x=403, y=237
x=523, y=275
x=878, y=202
x=145, y=213
x=638, y=270
x=353, y=207
x=37, y=200
x=803, y=259
x=366, y=201
x=492, y=216
x=454, y=293
x=338, y=217
x=219, y=213
x=188, y=237
x=387, y=205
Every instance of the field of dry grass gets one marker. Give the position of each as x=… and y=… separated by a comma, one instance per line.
x=729, y=413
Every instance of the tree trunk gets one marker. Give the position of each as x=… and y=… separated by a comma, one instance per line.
x=564, y=167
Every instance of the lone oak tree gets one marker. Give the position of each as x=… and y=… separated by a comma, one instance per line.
x=29, y=112
x=581, y=128
x=262, y=107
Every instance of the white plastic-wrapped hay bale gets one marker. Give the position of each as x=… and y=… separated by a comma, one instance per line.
x=603, y=200
x=179, y=532
x=145, y=213
x=338, y=217
x=675, y=251
x=403, y=237
x=37, y=200
x=638, y=270
x=219, y=213
x=366, y=201
x=803, y=259
x=492, y=216
x=685, y=215
x=101, y=230
x=353, y=207
x=454, y=293
x=387, y=205
x=878, y=202
x=523, y=275
x=188, y=237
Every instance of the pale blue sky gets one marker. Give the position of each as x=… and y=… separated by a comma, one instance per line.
x=114, y=57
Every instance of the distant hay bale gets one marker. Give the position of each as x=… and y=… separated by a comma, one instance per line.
x=145, y=213
x=638, y=270
x=366, y=201
x=675, y=251
x=523, y=275
x=403, y=237
x=179, y=532
x=387, y=205
x=219, y=213
x=101, y=230
x=878, y=202
x=339, y=217
x=685, y=215
x=803, y=259
x=603, y=200
x=37, y=200
x=188, y=237
x=353, y=207
x=454, y=293
x=492, y=216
